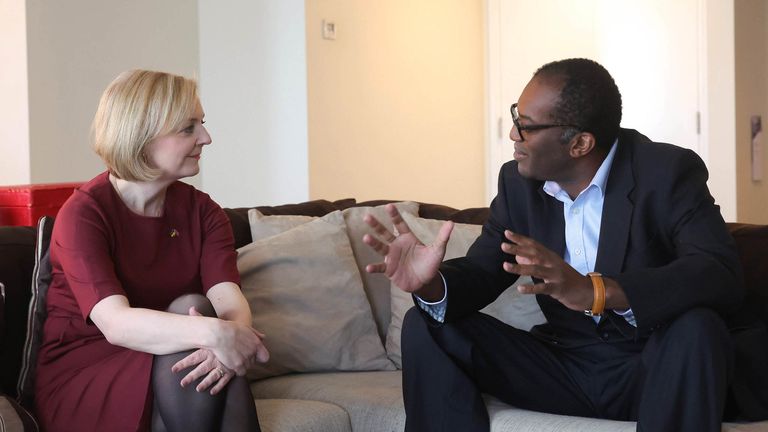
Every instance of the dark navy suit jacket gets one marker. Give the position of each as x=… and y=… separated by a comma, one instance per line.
x=662, y=238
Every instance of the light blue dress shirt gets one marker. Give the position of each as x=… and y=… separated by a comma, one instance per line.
x=583, y=216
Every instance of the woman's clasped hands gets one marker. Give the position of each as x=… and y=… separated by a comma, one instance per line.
x=238, y=347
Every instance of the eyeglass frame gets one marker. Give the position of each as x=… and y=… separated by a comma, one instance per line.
x=534, y=127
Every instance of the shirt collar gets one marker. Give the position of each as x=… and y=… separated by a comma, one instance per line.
x=599, y=180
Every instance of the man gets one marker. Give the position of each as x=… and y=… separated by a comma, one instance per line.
x=639, y=338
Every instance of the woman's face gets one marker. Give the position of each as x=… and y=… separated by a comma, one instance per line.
x=177, y=154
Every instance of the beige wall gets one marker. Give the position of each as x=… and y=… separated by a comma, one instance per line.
x=751, y=41
x=396, y=103
x=75, y=48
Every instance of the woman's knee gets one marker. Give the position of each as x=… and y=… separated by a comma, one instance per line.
x=182, y=304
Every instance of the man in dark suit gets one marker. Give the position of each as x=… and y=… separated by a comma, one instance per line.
x=632, y=266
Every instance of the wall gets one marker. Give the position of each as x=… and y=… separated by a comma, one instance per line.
x=718, y=131
x=253, y=82
x=751, y=23
x=14, y=109
x=75, y=49
x=396, y=102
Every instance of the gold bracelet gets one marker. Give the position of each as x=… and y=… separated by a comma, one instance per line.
x=598, y=304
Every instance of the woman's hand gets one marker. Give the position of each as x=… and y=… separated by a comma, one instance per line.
x=238, y=346
x=213, y=372
x=209, y=367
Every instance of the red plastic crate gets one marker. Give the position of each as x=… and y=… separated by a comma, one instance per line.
x=25, y=204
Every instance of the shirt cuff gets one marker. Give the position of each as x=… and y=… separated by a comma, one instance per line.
x=628, y=315
x=435, y=309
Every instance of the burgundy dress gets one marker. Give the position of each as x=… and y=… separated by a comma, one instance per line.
x=100, y=248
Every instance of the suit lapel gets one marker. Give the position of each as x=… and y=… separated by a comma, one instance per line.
x=551, y=231
x=617, y=210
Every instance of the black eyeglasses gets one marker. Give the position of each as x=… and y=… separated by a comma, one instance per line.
x=517, y=131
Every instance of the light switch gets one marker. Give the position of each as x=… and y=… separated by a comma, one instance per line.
x=329, y=30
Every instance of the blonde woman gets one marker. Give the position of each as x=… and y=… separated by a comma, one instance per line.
x=147, y=327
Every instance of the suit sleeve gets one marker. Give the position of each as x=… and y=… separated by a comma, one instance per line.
x=695, y=263
x=478, y=279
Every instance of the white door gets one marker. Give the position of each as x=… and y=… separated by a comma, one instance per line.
x=650, y=47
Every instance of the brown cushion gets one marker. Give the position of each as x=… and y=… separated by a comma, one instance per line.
x=238, y=217
x=17, y=245
x=752, y=245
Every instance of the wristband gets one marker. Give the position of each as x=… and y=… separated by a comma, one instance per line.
x=598, y=304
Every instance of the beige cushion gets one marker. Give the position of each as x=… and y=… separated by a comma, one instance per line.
x=511, y=307
x=306, y=296
x=295, y=415
x=373, y=400
x=376, y=285
x=268, y=226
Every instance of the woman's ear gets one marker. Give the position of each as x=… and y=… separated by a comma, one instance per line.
x=582, y=144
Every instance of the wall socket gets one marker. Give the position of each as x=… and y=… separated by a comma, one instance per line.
x=329, y=30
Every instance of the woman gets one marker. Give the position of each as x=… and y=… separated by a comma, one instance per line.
x=146, y=322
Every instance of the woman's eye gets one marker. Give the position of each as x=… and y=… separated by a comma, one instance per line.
x=189, y=129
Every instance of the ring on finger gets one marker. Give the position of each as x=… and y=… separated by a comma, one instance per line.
x=220, y=372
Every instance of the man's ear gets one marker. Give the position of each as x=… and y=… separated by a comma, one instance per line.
x=582, y=144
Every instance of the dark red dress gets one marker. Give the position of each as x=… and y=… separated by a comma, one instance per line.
x=100, y=248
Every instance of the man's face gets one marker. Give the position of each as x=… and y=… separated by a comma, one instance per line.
x=541, y=156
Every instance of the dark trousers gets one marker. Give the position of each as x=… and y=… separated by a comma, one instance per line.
x=676, y=381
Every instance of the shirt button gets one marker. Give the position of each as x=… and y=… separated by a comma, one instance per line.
x=575, y=211
x=577, y=251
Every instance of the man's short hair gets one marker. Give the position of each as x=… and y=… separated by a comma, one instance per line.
x=137, y=107
x=589, y=98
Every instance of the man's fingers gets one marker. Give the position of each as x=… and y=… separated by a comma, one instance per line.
x=444, y=234
x=539, y=288
x=379, y=228
x=531, y=270
x=376, y=268
x=519, y=239
x=376, y=244
x=397, y=219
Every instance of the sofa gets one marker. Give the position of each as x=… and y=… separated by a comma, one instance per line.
x=332, y=329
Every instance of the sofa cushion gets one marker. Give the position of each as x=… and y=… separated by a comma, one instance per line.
x=295, y=415
x=306, y=295
x=373, y=400
x=238, y=217
x=376, y=285
x=41, y=279
x=15, y=418
x=263, y=226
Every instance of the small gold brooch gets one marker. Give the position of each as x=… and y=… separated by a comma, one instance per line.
x=174, y=233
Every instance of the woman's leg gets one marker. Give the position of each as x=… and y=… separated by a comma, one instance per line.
x=184, y=408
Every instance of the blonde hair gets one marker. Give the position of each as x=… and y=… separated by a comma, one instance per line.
x=137, y=107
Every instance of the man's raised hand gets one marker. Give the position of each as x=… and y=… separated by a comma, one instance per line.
x=408, y=263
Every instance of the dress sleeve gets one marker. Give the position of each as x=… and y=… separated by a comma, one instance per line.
x=218, y=260
x=80, y=248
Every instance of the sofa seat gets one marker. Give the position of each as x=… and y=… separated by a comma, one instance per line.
x=295, y=415
x=373, y=401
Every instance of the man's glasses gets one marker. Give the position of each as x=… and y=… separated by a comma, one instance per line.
x=517, y=131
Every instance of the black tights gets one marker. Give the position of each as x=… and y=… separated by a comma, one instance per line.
x=178, y=408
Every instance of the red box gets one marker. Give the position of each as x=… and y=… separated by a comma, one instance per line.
x=25, y=204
